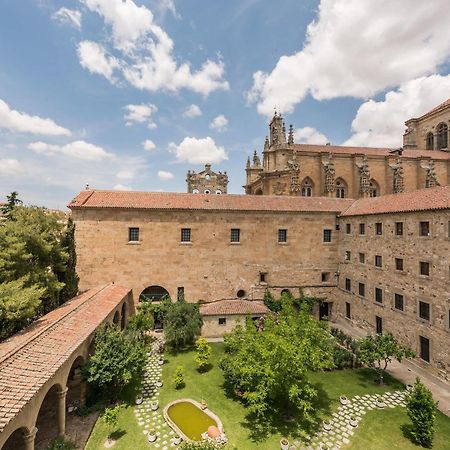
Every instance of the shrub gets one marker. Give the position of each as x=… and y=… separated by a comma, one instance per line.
x=111, y=418
x=271, y=303
x=205, y=445
x=422, y=411
x=61, y=444
x=178, y=377
x=203, y=354
x=342, y=358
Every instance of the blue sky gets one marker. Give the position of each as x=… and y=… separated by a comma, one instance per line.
x=132, y=94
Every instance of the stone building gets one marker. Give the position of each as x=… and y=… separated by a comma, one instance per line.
x=293, y=169
x=207, y=181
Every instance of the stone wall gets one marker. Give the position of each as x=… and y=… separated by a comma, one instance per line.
x=212, y=329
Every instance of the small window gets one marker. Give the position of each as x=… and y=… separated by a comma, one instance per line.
x=348, y=255
x=379, y=325
x=424, y=268
x=362, y=228
x=185, y=235
x=348, y=310
x=282, y=235
x=207, y=191
x=348, y=228
x=362, y=258
x=348, y=284
x=263, y=277
x=398, y=263
x=180, y=294
x=326, y=235
x=378, y=228
x=195, y=191
x=133, y=234
x=424, y=310
x=218, y=192
x=379, y=295
x=325, y=277
x=424, y=228
x=424, y=348
x=362, y=289
x=235, y=235
x=222, y=320
x=399, y=228
x=399, y=302
x=378, y=261
x=240, y=293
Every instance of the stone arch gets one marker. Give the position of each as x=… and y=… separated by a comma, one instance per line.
x=76, y=387
x=286, y=292
x=153, y=294
x=124, y=316
x=430, y=141
x=259, y=191
x=442, y=136
x=307, y=187
x=341, y=188
x=17, y=440
x=116, y=318
x=374, y=188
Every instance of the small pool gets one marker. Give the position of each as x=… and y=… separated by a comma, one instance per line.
x=188, y=419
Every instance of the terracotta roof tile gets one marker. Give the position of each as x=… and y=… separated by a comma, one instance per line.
x=420, y=200
x=226, y=202
x=233, y=307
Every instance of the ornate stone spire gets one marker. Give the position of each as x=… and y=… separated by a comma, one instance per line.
x=248, y=162
x=266, y=144
x=256, y=160
x=399, y=185
x=294, y=166
x=431, y=179
x=330, y=175
x=291, y=135
x=364, y=177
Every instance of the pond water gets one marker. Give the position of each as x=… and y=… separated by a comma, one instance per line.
x=190, y=419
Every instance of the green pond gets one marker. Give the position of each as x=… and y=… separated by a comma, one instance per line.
x=190, y=419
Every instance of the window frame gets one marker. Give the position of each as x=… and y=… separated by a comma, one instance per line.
x=362, y=288
x=402, y=264
x=399, y=297
x=378, y=261
x=186, y=232
x=222, y=321
x=362, y=229
x=424, y=307
x=235, y=235
x=282, y=235
x=422, y=265
x=399, y=227
x=378, y=228
x=376, y=291
x=427, y=231
x=327, y=233
x=131, y=231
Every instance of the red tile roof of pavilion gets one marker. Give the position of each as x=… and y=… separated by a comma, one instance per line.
x=233, y=307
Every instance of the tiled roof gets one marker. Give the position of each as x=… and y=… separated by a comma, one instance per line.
x=233, y=307
x=226, y=202
x=420, y=200
x=30, y=358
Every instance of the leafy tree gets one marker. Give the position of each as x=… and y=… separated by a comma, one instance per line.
x=182, y=324
x=142, y=321
x=178, y=377
x=111, y=418
x=12, y=200
x=270, y=302
x=118, y=358
x=422, y=411
x=203, y=354
x=378, y=350
x=269, y=368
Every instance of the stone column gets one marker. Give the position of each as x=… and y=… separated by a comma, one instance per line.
x=28, y=439
x=62, y=412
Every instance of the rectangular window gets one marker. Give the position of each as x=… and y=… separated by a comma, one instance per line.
x=378, y=261
x=282, y=235
x=424, y=310
x=424, y=268
x=348, y=310
x=263, y=277
x=362, y=258
x=348, y=228
x=348, y=284
x=348, y=255
x=379, y=295
x=399, y=302
x=235, y=235
x=326, y=235
x=448, y=229
x=379, y=325
x=362, y=228
x=325, y=277
x=424, y=348
x=399, y=228
x=185, y=235
x=133, y=234
x=398, y=263
x=362, y=289
x=378, y=228
x=424, y=228
x=222, y=320
x=180, y=294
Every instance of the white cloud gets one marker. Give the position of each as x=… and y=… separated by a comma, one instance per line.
x=149, y=145
x=219, y=123
x=309, y=135
x=192, y=111
x=165, y=176
x=76, y=149
x=140, y=114
x=13, y=120
x=382, y=123
x=198, y=151
x=121, y=187
x=94, y=58
x=125, y=175
x=10, y=167
x=68, y=16
x=146, y=52
x=357, y=48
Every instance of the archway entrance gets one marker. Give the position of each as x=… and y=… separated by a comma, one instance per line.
x=155, y=294
x=17, y=440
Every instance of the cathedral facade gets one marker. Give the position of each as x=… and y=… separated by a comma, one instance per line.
x=308, y=170
x=206, y=181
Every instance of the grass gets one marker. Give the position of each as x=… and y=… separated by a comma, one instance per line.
x=378, y=430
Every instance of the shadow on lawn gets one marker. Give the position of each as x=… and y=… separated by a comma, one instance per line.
x=369, y=378
x=116, y=435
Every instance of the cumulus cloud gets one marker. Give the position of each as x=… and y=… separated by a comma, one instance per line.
x=357, y=49
x=165, y=176
x=148, y=145
x=381, y=123
x=309, y=135
x=68, y=16
x=140, y=114
x=13, y=120
x=198, y=151
x=121, y=187
x=145, y=52
x=219, y=123
x=10, y=167
x=192, y=111
x=76, y=149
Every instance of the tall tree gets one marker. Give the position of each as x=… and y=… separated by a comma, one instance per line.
x=12, y=200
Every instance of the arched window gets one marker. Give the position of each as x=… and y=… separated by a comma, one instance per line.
x=153, y=294
x=307, y=187
x=442, y=136
x=341, y=188
x=430, y=141
x=259, y=192
x=374, y=189
x=207, y=191
x=218, y=191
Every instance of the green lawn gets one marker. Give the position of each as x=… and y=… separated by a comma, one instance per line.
x=379, y=430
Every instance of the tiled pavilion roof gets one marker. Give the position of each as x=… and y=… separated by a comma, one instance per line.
x=233, y=307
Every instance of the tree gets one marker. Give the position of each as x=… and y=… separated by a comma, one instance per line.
x=142, y=321
x=178, y=377
x=269, y=368
x=203, y=354
x=118, y=358
x=12, y=200
x=182, y=324
x=422, y=411
x=378, y=350
x=111, y=418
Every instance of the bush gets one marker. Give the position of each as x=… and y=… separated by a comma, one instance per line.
x=271, y=303
x=61, y=444
x=205, y=445
x=342, y=358
x=178, y=377
x=203, y=354
x=111, y=417
x=422, y=411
